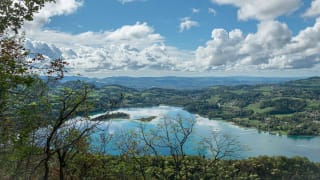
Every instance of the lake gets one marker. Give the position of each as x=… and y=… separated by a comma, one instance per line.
x=256, y=143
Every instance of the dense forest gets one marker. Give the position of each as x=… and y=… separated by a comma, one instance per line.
x=45, y=129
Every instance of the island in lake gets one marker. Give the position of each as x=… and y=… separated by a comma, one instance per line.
x=120, y=115
x=109, y=116
x=147, y=119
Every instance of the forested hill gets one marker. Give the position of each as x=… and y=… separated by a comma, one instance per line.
x=309, y=82
x=287, y=108
x=178, y=82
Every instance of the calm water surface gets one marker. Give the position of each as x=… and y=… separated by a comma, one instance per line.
x=257, y=143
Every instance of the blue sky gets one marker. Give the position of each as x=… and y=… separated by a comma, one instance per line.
x=180, y=37
x=164, y=16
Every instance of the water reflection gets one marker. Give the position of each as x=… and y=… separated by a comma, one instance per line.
x=258, y=143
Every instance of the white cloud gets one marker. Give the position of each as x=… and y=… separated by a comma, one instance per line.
x=271, y=36
x=219, y=51
x=271, y=47
x=261, y=9
x=129, y=1
x=303, y=50
x=138, y=47
x=195, y=10
x=136, y=35
x=60, y=7
x=49, y=50
x=186, y=23
x=212, y=11
x=131, y=47
x=314, y=10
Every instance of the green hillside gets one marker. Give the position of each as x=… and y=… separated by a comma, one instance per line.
x=291, y=108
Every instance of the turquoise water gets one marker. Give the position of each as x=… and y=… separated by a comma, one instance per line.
x=255, y=143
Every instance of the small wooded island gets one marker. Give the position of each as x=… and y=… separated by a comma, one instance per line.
x=120, y=115
x=109, y=116
x=147, y=119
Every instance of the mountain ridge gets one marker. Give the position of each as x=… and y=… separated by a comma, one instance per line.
x=174, y=82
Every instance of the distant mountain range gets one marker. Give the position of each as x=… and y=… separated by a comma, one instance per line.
x=172, y=82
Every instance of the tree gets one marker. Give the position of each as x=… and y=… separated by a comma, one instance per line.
x=132, y=150
x=15, y=66
x=71, y=144
x=22, y=116
x=220, y=146
x=217, y=147
x=172, y=135
x=14, y=13
x=46, y=119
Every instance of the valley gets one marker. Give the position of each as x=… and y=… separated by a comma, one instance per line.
x=290, y=108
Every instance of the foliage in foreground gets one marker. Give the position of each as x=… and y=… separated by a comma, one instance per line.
x=196, y=167
x=89, y=166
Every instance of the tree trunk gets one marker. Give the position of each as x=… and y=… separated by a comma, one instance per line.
x=46, y=169
x=61, y=171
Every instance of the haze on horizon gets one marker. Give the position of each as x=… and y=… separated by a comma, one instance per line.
x=180, y=38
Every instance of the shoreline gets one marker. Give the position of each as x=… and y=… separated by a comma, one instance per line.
x=230, y=122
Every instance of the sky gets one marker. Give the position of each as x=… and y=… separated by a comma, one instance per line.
x=101, y=38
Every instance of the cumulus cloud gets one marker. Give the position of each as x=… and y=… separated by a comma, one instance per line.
x=271, y=36
x=186, y=24
x=261, y=9
x=60, y=7
x=136, y=35
x=129, y=1
x=139, y=47
x=271, y=47
x=49, y=50
x=314, y=10
x=139, y=34
x=131, y=47
x=212, y=11
x=195, y=10
x=219, y=51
